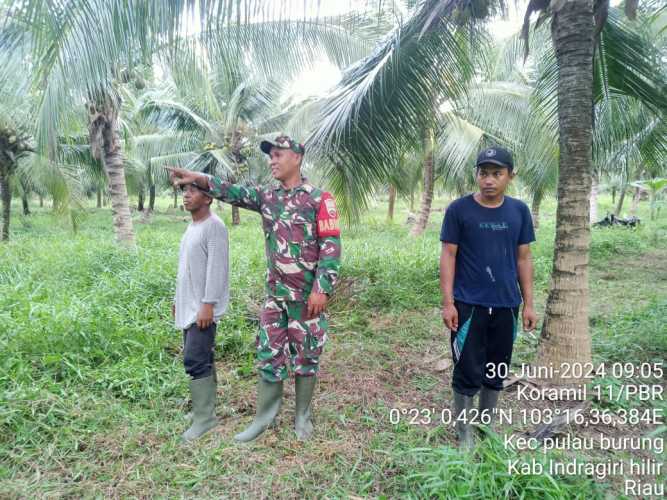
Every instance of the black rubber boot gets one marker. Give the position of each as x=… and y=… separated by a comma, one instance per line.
x=269, y=400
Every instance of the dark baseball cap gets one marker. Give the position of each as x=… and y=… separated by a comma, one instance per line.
x=282, y=142
x=495, y=155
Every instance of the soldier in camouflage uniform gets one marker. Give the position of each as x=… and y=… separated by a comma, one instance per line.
x=303, y=249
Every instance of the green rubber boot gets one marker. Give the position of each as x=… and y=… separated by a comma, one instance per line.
x=304, y=387
x=463, y=431
x=190, y=414
x=202, y=392
x=488, y=400
x=269, y=400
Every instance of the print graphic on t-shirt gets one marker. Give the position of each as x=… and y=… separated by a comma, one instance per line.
x=488, y=270
x=494, y=226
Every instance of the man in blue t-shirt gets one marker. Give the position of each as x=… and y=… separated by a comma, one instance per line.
x=485, y=270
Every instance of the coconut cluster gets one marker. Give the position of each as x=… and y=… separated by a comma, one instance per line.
x=12, y=140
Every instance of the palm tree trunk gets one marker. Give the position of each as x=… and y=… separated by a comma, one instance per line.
x=120, y=204
x=565, y=336
x=175, y=198
x=392, y=203
x=652, y=204
x=427, y=194
x=25, y=193
x=412, y=201
x=236, y=138
x=624, y=188
x=535, y=209
x=105, y=141
x=635, y=201
x=24, y=204
x=613, y=195
x=151, y=198
x=99, y=198
x=594, y=200
x=140, y=203
x=6, y=194
x=621, y=199
x=41, y=201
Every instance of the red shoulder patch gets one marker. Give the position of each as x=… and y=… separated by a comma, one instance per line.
x=327, y=217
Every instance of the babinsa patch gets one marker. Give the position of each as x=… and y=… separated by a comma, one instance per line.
x=327, y=217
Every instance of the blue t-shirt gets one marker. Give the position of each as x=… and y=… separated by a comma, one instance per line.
x=488, y=240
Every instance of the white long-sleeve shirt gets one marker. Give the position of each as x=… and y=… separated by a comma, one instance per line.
x=203, y=271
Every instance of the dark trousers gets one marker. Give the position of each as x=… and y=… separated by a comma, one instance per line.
x=198, y=348
x=482, y=347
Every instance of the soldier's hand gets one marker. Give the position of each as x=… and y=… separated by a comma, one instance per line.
x=181, y=176
x=205, y=316
x=451, y=317
x=317, y=304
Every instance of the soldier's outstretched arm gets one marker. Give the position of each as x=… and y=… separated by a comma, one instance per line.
x=234, y=194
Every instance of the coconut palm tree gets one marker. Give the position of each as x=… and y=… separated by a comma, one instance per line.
x=15, y=116
x=13, y=146
x=630, y=140
x=220, y=116
x=22, y=168
x=145, y=144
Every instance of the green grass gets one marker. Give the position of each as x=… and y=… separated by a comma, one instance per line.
x=485, y=474
x=93, y=390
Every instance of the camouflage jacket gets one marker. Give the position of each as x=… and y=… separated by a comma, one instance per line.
x=301, y=232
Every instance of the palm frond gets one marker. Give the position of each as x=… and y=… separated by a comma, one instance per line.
x=177, y=116
x=382, y=102
x=629, y=64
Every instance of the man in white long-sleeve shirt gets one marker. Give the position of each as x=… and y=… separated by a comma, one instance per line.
x=202, y=295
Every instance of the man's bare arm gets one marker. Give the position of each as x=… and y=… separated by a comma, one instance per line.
x=525, y=270
x=447, y=272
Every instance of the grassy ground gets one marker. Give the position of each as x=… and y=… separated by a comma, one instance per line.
x=94, y=394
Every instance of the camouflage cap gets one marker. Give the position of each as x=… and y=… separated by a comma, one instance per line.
x=282, y=142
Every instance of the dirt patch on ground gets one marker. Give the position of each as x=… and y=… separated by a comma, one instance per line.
x=650, y=264
x=351, y=382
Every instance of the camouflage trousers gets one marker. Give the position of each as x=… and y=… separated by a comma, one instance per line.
x=286, y=333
